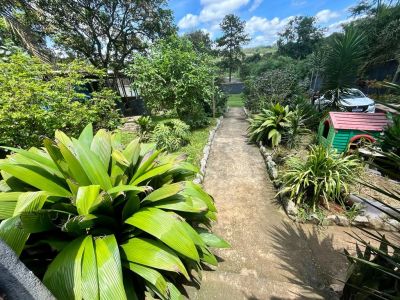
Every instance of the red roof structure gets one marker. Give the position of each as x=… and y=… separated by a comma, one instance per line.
x=359, y=121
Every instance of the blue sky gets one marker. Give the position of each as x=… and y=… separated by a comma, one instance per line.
x=264, y=17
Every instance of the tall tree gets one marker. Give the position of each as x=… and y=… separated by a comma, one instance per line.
x=231, y=42
x=19, y=27
x=201, y=41
x=106, y=33
x=299, y=37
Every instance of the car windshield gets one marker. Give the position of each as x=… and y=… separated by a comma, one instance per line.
x=352, y=94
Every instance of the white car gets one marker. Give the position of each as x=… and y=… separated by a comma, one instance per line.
x=352, y=100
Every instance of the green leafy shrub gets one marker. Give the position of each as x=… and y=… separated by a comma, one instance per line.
x=323, y=177
x=36, y=99
x=173, y=76
x=105, y=222
x=145, y=126
x=295, y=130
x=269, y=125
x=391, y=138
x=271, y=87
x=171, y=135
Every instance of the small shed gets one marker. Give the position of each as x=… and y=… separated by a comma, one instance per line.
x=341, y=129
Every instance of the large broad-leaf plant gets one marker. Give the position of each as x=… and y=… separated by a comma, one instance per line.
x=96, y=220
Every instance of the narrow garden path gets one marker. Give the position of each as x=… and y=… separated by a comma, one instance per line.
x=271, y=257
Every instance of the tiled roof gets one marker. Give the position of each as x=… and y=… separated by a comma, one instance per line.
x=359, y=121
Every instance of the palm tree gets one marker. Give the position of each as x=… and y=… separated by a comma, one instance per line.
x=342, y=63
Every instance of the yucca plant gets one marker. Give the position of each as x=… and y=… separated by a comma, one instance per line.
x=95, y=220
x=323, y=177
x=342, y=63
x=269, y=125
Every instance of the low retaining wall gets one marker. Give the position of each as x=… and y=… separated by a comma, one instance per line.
x=206, y=152
x=17, y=281
x=370, y=216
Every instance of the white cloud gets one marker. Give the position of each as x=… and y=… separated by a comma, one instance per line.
x=255, y=5
x=188, y=21
x=265, y=31
x=324, y=16
x=338, y=26
x=211, y=14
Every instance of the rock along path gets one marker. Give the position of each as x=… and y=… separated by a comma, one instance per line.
x=271, y=257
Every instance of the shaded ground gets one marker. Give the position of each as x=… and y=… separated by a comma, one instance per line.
x=271, y=257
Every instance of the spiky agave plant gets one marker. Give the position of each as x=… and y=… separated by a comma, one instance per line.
x=269, y=125
x=96, y=220
x=323, y=177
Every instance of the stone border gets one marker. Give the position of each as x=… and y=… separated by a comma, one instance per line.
x=17, y=281
x=206, y=153
x=370, y=216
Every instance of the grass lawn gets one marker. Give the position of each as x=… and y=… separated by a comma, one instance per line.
x=198, y=140
x=194, y=149
x=235, y=100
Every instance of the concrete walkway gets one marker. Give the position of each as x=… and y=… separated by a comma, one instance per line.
x=271, y=257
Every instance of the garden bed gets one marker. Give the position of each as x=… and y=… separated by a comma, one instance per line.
x=357, y=211
x=367, y=215
x=197, y=148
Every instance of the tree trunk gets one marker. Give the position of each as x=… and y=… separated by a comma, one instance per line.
x=230, y=74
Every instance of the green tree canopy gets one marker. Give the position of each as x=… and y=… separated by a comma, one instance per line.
x=299, y=37
x=106, y=33
x=381, y=29
x=36, y=99
x=201, y=41
x=230, y=43
x=174, y=77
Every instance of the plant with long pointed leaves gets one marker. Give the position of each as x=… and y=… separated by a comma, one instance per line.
x=96, y=220
x=323, y=177
x=375, y=273
x=342, y=63
x=269, y=125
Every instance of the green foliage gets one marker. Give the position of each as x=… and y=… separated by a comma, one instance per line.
x=270, y=87
x=35, y=100
x=106, y=222
x=109, y=32
x=197, y=141
x=201, y=41
x=323, y=177
x=145, y=126
x=234, y=36
x=299, y=37
x=171, y=135
x=381, y=30
x=374, y=273
x=391, y=138
x=296, y=129
x=175, y=77
x=269, y=126
x=342, y=62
